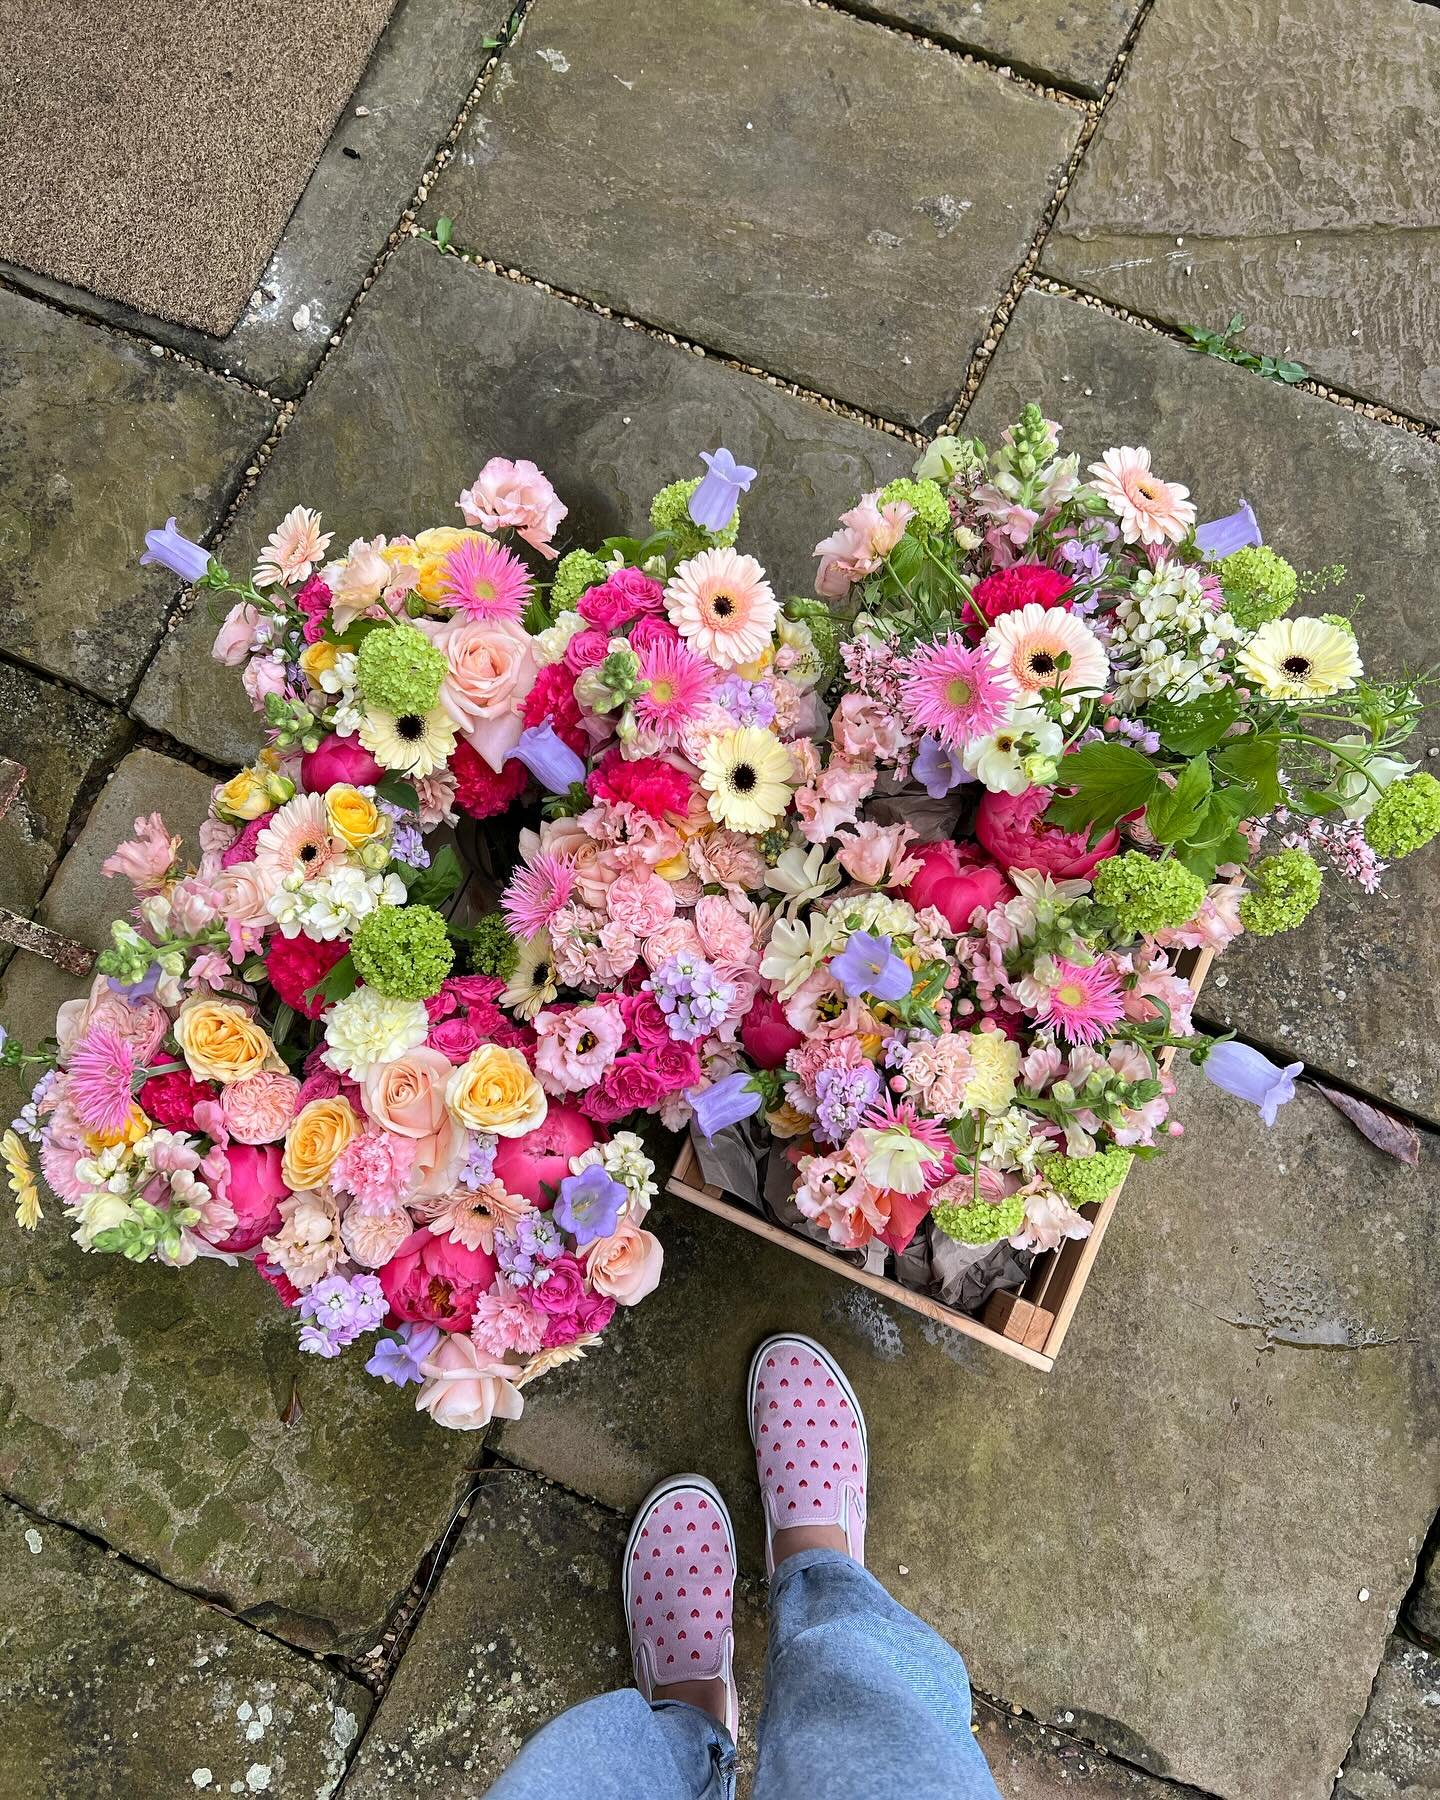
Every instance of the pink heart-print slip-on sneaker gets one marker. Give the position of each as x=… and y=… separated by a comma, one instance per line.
x=811, y=1453
x=679, y=1589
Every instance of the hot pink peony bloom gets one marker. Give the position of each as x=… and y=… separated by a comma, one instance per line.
x=767, y=1034
x=514, y=496
x=527, y=1166
x=251, y=1183
x=955, y=879
x=335, y=760
x=434, y=1281
x=146, y=859
x=1013, y=829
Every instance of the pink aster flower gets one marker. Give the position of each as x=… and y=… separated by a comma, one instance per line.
x=1083, y=1002
x=486, y=581
x=100, y=1088
x=514, y=496
x=679, y=682
x=1150, y=511
x=536, y=893
x=293, y=549
x=957, y=693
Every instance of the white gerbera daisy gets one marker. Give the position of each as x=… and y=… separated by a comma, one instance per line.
x=1300, y=659
x=413, y=743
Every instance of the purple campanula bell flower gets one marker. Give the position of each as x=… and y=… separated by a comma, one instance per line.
x=398, y=1359
x=868, y=965
x=939, y=769
x=724, y=1102
x=713, y=502
x=589, y=1205
x=548, y=758
x=174, y=551
x=1247, y=1074
x=1236, y=531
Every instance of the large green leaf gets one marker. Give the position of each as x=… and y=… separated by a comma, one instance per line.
x=1173, y=813
x=1195, y=726
x=1109, y=780
x=1255, y=762
x=435, y=885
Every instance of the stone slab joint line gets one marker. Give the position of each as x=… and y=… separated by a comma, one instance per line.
x=15, y=928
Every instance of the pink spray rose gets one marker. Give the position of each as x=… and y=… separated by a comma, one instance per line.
x=335, y=760
x=435, y=1281
x=236, y=637
x=259, y=1109
x=525, y=1166
x=955, y=879
x=251, y=1182
x=1011, y=828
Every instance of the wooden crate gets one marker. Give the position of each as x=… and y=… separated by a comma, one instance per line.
x=1029, y=1325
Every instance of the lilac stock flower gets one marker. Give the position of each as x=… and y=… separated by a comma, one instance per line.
x=724, y=1102
x=339, y=1308
x=480, y=1161
x=842, y=1095
x=174, y=551
x=1236, y=531
x=747, y=702
x=692, y=994
x=939, y=769
x=713, y=502
x=398, y=1359
x=589, y=1205
x=525, y=1253
x=869, y=966
x=1237, y=1069
x=548, y=758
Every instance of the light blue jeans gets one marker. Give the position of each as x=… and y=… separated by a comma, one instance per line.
x=862, y=1702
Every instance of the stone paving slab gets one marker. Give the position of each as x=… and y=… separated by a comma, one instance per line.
x=1031, y=1762
x=785, y=184
x=1071, y=42
x=99, y=440
x=414, y=87
x=66, y=741
x=1396, y=1755
x=1356, y=990
x=113, y=1683
x=145, y=1404
x=1272, y=158
x=1147, y=1545
x=446, y=366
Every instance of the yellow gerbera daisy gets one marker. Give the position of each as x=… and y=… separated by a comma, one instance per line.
x=745, y=774
x=22, y=1181
x=1300, y=659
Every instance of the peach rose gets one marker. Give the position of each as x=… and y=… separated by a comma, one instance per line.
x=494, y=1090
x=259, y=1110
x=625, y=1266
x=245, y=894
x=464, y=1390
x=221, y=1042
x=317, y=1135
x=407, y=1096
x=492, y=669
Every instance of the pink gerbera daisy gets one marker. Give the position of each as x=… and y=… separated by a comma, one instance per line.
x=722, y=605
x=679, y=682
x=1048, y=648
x=100, y=1088
x=296, y=840
x=956, y=692
x=292, y=549
x=485, y=581
x=1083, y=1002
x=536, y=892
x=1150, y=511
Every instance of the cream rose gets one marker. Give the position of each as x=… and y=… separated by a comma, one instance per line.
x=259, y=1109
x=494, y=1090
x=221, y=1042
x=463, y=1390
x=317, y=1135
x=492, y=669
x=625, y=1266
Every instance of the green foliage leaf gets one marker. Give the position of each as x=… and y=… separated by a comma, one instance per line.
x=1255, y=761
x=435, y=885
x=1195, y=726
x=444, y=232
x=398, y=793
x=1173, y=813
x=1109, y=780
x=341, y=980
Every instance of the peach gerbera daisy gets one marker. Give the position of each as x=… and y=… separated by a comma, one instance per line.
x=722, y=605
x=1048, y=648
x=1150, y=511
x=292, y=549
x=296, y=841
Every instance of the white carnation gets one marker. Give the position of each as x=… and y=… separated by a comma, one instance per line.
x=365, y=1030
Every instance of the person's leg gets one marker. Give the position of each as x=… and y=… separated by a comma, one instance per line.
x=863, y=1700
x=621, y=1747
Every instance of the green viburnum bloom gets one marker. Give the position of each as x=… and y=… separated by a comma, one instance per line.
x=399, y=670
x=1287, y=885
x=1340, y=622
x=403, y=952
x=574, y=574
x=1405, y=816
x=494, y=950
x=1258, y=584
x=670, y=511
x=1083, y=1179
x=1145, y=895
x=981, y=1223
x=925, y=497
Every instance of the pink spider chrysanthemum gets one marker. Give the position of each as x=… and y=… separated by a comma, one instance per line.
x=485, y=581
x=679, y=682
x=1083, y=1002
x=956, y=693
x=1150, y=511
x=536, y=892
x=101, y=1073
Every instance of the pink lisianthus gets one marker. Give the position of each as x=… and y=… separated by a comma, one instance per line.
x=1013, y=829
x=146, y=859
x=956, y=880
x=336, y=760
x=576, y=1046
x=832, y=1192
x=1216, y=925
x=464, y=1389
x=867, y=728
x=866, y=536
x=435, y=1281
x=528, y=1166
x=514, y=496
x=260, y=678
x=251, y=1183
x=834, y=799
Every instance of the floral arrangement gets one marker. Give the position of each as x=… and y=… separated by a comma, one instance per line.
x=1076, y=737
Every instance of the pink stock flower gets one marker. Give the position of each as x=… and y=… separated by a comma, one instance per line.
x=514, y=496
x=146, y=859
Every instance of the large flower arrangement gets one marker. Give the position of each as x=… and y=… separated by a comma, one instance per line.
x=1086, y=737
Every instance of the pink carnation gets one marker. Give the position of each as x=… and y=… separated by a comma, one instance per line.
x=375, y=1167
x=654, y=786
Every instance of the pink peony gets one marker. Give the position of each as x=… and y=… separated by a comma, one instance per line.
x=259, y=1109
x=464, y=1389
x=1011, y=828
x=434, y=1281
x=514, y=496
x=527, y=1166
x=335, y=760
x=955, y=879
x=295, y=965
x=252, y=1185
x=767, y=1034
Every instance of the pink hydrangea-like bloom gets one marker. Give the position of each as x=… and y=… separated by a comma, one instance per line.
x=866, y=536
x=514, y=496
x=575, y=1047
x=146, y=859
x=1150, y=511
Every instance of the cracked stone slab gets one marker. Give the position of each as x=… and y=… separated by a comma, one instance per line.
x=1396, y=1755
x=98, y=441
x=707, y=180
x=1071, y=42
x=145, y=1404
x=1036, y=1762
x=1145, y=1546
x=1356, y=990
x=114, y=1683
x=65, y=741
x=446, y=366
x=410, y=95
x=1287, y=175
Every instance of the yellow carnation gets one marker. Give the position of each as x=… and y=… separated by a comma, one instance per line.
x=352, y=816
x=991, y=1088
x=494, y=1090
x=317, y=1135
x=221, y=1042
